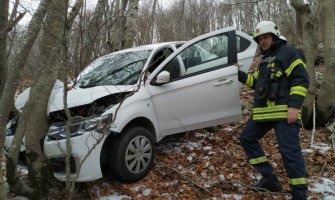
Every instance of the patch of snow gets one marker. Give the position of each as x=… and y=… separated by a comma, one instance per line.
x=228, y=129
x=193, y=145
x=307, y=151
x=189, y=158
x=237, y=185
x=327, y=186
x=114, y=197
x=322, y=147
x=23, y=170
x=138, y=188
x=235, y=196
x=222, y=178
x=147, y=192
x=207, y=148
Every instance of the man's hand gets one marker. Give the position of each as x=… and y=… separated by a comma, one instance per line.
x=70, y=87
x=292, y=114
x=238, y=66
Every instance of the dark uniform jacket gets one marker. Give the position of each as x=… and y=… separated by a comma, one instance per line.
x=280, y=81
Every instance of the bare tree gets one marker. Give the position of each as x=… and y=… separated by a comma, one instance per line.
x=6, y=25
x=307, y=34
x=3, y=46
x=325, y=103
x=115, y=33
x=40, y=174
x=63, y=75
x=152, y=22
x=16, y=65
x=131, y=20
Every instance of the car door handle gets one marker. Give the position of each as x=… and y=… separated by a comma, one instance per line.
x=223, y=82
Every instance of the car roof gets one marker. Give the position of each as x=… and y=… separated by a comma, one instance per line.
x=151, y=46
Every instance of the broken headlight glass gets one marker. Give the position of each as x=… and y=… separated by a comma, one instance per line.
x=57, y=131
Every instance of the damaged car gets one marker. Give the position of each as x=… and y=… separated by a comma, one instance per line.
x=125, y=102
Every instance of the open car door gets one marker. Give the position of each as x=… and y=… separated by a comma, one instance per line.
x=197, y=86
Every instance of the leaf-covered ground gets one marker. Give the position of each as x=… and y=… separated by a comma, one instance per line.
x=210, y=164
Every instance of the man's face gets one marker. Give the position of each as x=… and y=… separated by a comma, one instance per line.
x=265, y=41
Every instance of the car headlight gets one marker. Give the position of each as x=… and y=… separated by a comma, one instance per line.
x=57, y=131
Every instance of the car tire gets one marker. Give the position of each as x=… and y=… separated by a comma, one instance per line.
x=132, y=154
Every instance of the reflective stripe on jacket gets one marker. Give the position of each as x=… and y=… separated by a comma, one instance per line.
x=286, y=66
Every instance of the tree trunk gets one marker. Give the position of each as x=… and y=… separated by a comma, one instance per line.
x=122, y=25
x=131, y=20
x=3, y=69
x=326, y=103
x=40, y=174
x=91, y=41
x=3, y=46
x=116, y=29
x=150, y=35
x=63, y=75
x=16, y=65
x=307, y=27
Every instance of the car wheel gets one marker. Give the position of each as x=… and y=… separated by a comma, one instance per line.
x=132, y=154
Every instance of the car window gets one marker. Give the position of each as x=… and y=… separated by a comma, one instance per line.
x=206, y=54
x=242, y=43
x=158, y=58
x=203, y=56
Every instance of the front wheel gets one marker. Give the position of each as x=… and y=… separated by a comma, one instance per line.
x=132, y=154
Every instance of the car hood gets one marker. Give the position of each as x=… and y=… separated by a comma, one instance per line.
x=75, y=97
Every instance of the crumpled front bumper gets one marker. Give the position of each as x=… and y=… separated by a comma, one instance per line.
x=85, y=156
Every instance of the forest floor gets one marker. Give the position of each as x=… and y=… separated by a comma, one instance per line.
x=212, y=165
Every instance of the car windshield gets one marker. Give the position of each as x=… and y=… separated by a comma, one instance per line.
x=116, y=69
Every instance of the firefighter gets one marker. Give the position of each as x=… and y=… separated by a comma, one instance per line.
x=280, y=83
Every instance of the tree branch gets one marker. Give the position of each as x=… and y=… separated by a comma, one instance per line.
x=14, y=10
x=11, y=24
x=300, y=6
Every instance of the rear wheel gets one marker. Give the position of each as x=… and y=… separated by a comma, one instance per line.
x=132, y=154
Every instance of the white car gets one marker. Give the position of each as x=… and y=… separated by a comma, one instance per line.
x=140, y=95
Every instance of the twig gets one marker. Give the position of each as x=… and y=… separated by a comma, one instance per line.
x=251, y=187
x=333, y=140
x=188, y=179
x=323, y=168
x=91, y=195
x=314, y=123
x=118, y=187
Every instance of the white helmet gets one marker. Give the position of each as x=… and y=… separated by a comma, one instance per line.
x=265, y=27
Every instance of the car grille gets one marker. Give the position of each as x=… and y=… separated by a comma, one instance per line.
x=58, y=165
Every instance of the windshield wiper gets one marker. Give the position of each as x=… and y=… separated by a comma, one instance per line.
x=88, y=86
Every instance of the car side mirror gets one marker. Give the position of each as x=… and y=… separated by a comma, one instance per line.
x=162, y=78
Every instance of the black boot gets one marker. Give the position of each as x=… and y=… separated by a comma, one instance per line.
x=268, y=183
x=299, y=192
